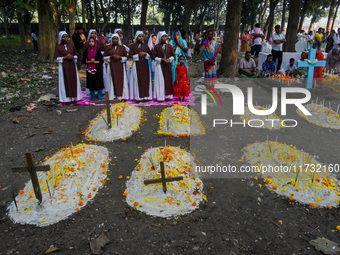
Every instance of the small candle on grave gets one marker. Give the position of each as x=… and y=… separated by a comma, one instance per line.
x=337, y=109
x=62, y=168
x=316, y=101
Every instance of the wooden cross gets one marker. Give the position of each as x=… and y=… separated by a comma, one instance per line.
x=107, y=103
x=163, y=179
x=32, y=169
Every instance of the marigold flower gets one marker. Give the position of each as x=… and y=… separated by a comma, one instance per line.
x=194, y=204
x=125, y=193
x=120, y=177
x=135, y=203
x=22, y=192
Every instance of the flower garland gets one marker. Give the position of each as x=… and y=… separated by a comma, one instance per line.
x=303, y=184
x=321, y=116
x=311, y=62
x=76, y=175
x=179, y=120
x=181, y=197
x=125, y=119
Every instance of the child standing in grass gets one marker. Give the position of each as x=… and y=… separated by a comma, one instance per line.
x=182, y=82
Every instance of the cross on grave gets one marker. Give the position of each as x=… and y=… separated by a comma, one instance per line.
x=163, y=179
x=107, y=103
x=32, y=169
x=310, y=67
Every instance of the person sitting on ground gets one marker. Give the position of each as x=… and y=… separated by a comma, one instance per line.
x=291, y=69
x=247, y=66
x=269, y=66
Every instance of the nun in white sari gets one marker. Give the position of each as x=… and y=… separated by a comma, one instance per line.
x=140, y=80
x=124, y=42
x=66, y=56
x=115, y=57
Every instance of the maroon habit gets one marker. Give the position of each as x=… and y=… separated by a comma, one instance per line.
x=166, y=52
x=69, y=68
x=117, y=67
x=142, y=67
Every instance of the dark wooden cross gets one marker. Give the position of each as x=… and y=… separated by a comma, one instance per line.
x=163, y=179
x=32, y=169
x=107, y=103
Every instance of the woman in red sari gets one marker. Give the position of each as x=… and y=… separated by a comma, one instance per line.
x=182, y=82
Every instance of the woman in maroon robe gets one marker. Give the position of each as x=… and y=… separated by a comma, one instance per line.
x=140, y=80
x=66, y=55
x=164, y=54
x=116, y=55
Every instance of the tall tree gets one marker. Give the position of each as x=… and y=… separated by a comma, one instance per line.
x=83, y=13
x=72, y=12
x=336, y=13
x=7, y=11
x=283, y=18
x=143, y=15
x=228, y=64
x=106, y=12
x=268, y=29
x=331, y=15
x=263, y=12
x=293, y=22
x=46, y=29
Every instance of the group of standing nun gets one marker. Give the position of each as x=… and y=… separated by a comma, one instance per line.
x=108, y=68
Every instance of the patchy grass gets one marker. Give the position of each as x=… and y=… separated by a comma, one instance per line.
x=12, y=41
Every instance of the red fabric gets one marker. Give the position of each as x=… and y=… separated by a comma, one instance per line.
x=317, y=70
x=182, y=87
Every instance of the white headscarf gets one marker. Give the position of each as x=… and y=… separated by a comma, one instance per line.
x=61, y=33
x=118, y=29
x=137, y=34
x=150, y=41
x=89, y=34
x=159, y=36
x=116, y=35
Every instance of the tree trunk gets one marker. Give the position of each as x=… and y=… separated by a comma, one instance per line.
x=263, y=12
x=293, y=21
x=228, y=64
x=21, y=31
x=83, y=13
x=283, y=22
x=187, y=13
x=96, y=15
x=302, y=18
x=144, y=13
x=166, y=20
x=336, y=13
x=269, y=30
x=57, y=20
x=72, y=11
x=46, y=30
x=91, y=14
x=330, y=15
x=128, y=20
x=312, y=21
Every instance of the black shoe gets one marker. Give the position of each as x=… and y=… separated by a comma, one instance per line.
x=18, y=108
x=12, y=109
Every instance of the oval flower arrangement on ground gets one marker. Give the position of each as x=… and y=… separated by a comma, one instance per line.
x=259, y=121
x=179, y=120
x=321, y=116
x=307, y=184
x=181, y=197
x=74, y=179
x=125, y=119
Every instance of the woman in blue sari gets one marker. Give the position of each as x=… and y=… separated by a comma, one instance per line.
x=180, y=47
